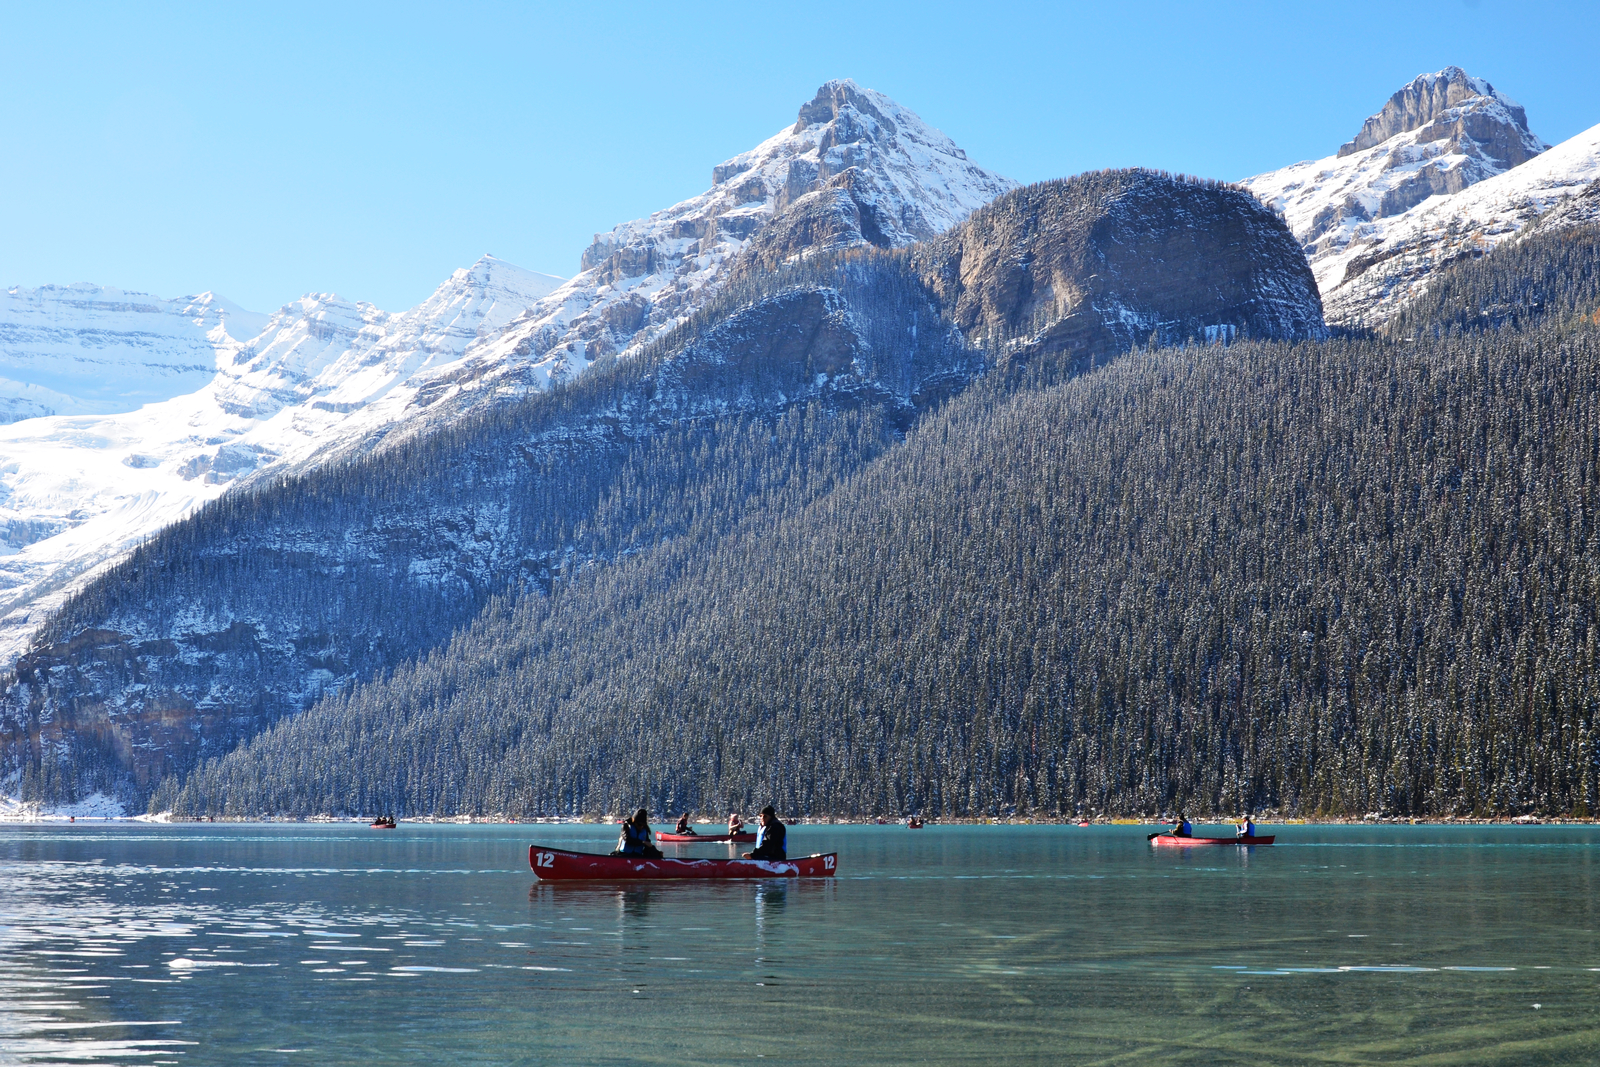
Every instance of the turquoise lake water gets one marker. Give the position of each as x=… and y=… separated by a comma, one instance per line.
x=317, y=944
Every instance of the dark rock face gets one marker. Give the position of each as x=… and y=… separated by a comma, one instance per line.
x=1098, y=263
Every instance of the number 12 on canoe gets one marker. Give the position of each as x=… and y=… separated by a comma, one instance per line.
x=559, y=864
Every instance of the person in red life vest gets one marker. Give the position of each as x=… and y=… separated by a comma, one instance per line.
x=735, y=824
x=771, y=839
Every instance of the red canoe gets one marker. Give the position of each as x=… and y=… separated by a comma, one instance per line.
x=554, y=864
x=1187, y=842
x=689, y=839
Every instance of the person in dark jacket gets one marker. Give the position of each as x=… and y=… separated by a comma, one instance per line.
x=683, y=826
x=635, y=839
x=771, y=839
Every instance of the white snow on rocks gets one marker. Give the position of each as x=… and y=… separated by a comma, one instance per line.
x=1390, y=264
x=647, y=276
x=96, y=806
x=1379, y=218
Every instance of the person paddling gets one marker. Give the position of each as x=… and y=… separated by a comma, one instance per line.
x=635, y=839
x=1183, y=829
x=1247, y=828
x=771, y=839
x=735, y=824
x=683, y=826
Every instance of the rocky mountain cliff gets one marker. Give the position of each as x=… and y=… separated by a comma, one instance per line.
x=1447, y=168
x=285, y=589
x=1443, y=132
x=1101, y=262
x=856, y=168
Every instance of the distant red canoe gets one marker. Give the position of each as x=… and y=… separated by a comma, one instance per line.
x=559, y=865
x=383, y=826
x=1189, y=842
x=689, y=839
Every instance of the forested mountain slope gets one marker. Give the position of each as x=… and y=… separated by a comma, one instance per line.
x=1552, y=272
x=1331, y=577
x=245, y=613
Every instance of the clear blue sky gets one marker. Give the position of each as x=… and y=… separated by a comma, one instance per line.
x=264, y=151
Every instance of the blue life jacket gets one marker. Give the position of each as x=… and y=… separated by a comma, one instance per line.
x=770, y=842
x=633, y=841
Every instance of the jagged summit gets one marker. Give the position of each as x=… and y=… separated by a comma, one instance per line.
x=903, y=179
x=1401, y=197
x=1439, y=134
x=1453, y=99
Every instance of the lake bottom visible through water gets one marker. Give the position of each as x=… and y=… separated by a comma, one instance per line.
x=335, y=944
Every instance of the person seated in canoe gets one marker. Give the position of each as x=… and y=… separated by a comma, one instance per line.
x=635, y=839
x=771, y=839
x=735, y=824
x=683, y=826
x=1183, y=829
x=1246, y=828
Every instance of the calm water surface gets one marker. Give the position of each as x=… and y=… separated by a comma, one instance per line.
x=434, y=945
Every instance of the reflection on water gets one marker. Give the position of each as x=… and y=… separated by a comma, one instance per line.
x=333, y=944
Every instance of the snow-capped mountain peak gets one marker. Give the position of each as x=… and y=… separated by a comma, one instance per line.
x=324, y=376
x=1439, y=134
x=646, y=276
x=1445, y=99
x=77, y=492
x=1447, y=166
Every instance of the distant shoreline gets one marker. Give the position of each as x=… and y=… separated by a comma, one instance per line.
x=607, y=820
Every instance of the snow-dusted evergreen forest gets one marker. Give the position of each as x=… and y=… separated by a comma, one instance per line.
x=1325, y=577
